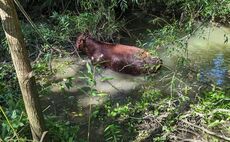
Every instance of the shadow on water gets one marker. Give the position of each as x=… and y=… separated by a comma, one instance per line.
x=73, y=103
x=70, y=67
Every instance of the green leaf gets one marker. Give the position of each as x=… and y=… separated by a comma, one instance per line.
x=14, y=115
x=89, y=69
x=102, y=94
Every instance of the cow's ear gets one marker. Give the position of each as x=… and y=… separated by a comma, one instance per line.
x=86, y=33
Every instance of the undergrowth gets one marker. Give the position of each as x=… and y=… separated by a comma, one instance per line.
x=151, y=115
x=155, y=117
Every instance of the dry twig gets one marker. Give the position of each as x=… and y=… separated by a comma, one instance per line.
x=207, y=131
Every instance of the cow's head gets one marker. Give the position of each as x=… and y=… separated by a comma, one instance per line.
x=80, y=42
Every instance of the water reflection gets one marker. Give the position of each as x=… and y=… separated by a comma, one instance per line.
x=217, y=72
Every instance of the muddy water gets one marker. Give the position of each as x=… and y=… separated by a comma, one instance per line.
x=117, y=86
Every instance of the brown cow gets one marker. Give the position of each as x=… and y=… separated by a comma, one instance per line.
x=118, y=57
